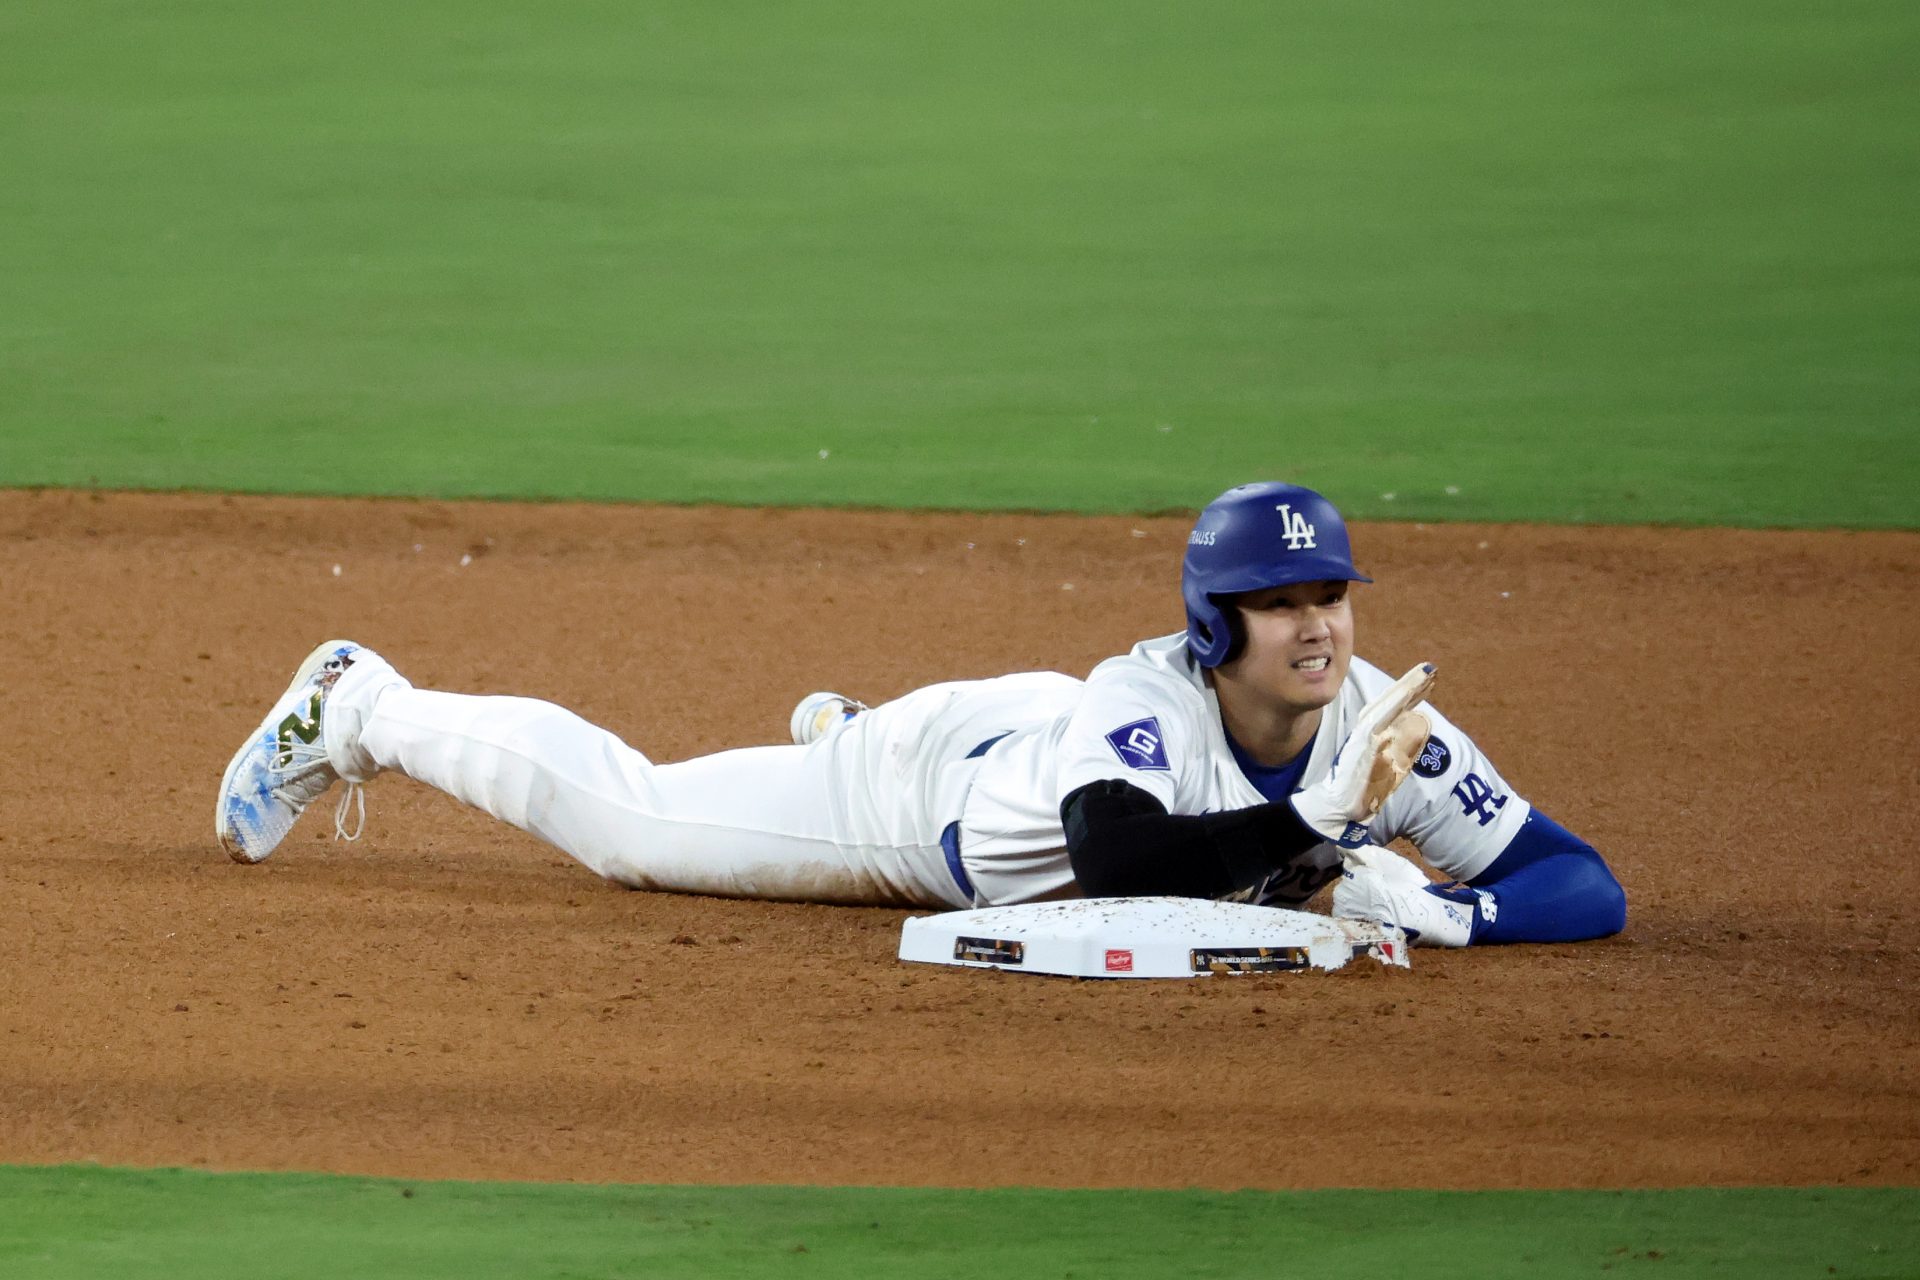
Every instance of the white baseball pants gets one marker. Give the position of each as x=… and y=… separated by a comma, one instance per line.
x=856, y=817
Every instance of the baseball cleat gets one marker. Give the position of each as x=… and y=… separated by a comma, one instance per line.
x=283, y=767
x=820, y=712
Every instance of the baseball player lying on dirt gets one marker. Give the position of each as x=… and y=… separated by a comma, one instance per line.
x=1252, y=756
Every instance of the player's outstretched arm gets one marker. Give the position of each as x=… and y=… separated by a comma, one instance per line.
x=1548, y=885
x=1123, y=843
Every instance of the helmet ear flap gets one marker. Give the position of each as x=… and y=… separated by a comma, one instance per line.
x=1236, y=633
x=1215, y=634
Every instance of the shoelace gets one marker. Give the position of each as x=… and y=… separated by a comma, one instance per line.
x=352, y=795
x=302, y=761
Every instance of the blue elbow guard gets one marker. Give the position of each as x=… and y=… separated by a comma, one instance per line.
x=1549, y=885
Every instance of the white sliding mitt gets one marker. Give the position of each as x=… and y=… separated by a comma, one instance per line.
x=1380, y=885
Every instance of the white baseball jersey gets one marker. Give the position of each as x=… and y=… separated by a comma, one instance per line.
x=946, y=797
x=1150, y=718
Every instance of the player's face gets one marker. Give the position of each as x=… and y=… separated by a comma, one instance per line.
x=1299, y=642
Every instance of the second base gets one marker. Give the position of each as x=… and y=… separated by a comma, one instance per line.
x=1146, y=938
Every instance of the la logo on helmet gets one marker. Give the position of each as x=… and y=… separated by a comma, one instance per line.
x=1297, y=532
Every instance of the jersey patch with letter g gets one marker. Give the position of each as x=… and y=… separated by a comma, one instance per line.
x=1140, y=745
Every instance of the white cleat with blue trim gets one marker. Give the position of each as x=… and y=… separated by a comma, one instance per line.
x=283, y=767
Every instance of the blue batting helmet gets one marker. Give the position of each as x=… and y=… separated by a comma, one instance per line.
x=1255, y=536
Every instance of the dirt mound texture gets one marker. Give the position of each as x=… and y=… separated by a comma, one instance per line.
x=1728, y=715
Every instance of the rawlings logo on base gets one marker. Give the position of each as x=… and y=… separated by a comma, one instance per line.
x=1119, y=961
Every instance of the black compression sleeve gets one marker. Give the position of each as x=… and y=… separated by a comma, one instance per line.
x=1122, y=842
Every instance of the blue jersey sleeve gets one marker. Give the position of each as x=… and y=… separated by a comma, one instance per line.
x=1547, y=885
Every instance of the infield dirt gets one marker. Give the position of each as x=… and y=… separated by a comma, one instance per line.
x=1729, y=716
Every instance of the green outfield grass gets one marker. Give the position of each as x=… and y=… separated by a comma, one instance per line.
x=88, y=1222
x=1495, y=259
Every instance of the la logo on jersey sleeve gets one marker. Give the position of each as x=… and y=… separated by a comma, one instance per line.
x=1140, y=745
